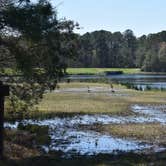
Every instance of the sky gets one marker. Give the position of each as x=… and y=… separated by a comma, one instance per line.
x=142, y=16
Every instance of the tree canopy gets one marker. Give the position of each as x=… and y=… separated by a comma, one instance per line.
x=35, y=36
x=106, y=49
x=36, y=44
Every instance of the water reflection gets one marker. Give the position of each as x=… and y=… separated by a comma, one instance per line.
x=67, y=135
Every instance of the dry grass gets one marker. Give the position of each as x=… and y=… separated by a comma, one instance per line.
x=154, y=133
x=147, y=97
x=82, y=103
x=15, y=151
x=103, y=102
x=82, y=85
x=19, y=145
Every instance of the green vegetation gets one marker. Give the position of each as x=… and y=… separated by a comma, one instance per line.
x=9, y=71
x=101, y=70
x=35, y=47
x=40, y=46
x=35, y=42
x=104, y=49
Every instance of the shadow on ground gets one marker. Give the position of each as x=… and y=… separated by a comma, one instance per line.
x=129, y=159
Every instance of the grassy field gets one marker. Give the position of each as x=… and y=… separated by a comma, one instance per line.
x=101, y=70
x=97, y=102
x=82, y=102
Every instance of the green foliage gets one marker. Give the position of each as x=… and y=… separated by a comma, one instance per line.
x=22, y=98
x=104, y=49
x=40, y=40
x=36, y=43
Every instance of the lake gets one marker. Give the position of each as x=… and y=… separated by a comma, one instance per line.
x=155, y=81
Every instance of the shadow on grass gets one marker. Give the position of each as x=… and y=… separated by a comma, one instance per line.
x=128, y=159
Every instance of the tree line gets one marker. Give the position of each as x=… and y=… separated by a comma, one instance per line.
x=106, y=49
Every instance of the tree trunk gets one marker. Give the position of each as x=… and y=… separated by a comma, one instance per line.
x=1, y=126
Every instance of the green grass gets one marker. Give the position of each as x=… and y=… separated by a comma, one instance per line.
x=9, y=71
x=101, y=70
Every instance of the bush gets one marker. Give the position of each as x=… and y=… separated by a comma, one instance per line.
x=41, y=133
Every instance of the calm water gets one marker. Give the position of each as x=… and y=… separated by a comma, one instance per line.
x=151, y=80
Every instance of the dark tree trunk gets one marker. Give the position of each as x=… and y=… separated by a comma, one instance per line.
x=4, y=91
x=1, y=125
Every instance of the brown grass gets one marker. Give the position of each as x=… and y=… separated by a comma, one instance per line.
x=15, y=151
x=19, y=145
x=103, y=102
x=153, y=133
x=82, y=103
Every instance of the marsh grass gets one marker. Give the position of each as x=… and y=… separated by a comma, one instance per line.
x=117, y=103
x=153, y=133
x=103, y=102
x=82, y=103
x=15, y=152
x=82, y=85
x=93, y=71
x=68, y=103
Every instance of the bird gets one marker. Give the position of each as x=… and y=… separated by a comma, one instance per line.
x=88, y=89
x=112, y=88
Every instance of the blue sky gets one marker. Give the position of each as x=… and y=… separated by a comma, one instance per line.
x=142, y=16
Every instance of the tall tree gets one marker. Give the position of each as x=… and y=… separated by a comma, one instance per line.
x=162, y=57
x=37, y=44
x=130, y=46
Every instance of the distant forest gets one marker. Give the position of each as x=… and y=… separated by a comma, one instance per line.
x=106, y=49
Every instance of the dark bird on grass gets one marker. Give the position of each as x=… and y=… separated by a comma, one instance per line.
x=112, y=88
x=88, y=89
